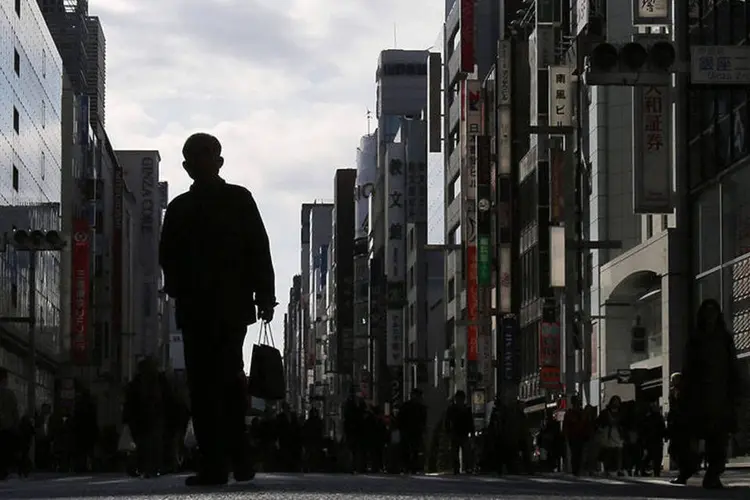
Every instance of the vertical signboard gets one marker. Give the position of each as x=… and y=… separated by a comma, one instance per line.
x=509, y=332
x=81, y=262
x=484, y=214
x=560, y=96
x=467, y=35
x=149, y=252
x=434, y=102
x=367, y=171
x=652, y=151
x=652, y=12
x=503, y=102
x=556, y=185
x=395, y=263
x=395, y=253
x=472, y=125
x=549, y=355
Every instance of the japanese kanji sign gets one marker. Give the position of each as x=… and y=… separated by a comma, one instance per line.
x=652, y=150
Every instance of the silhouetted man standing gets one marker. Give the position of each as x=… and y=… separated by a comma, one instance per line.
x=217, y=266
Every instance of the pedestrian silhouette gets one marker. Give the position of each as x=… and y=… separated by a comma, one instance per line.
x=216, y=259
x=711, y=386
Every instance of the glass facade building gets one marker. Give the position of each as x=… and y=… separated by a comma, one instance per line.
x=30, y=186
x=720, y=174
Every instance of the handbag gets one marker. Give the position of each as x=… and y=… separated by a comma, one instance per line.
x=190, y=441
x=266, y=380
x=126, y=443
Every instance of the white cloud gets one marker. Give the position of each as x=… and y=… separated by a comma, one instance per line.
x=284, y=84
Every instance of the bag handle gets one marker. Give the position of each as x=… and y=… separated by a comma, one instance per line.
x=265, y=336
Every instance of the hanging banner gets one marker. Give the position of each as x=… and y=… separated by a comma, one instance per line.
x=652, y=151
x=80, y=292
x=468, y=58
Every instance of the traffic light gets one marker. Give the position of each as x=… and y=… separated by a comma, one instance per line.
x=648, y=60
x=36, y=240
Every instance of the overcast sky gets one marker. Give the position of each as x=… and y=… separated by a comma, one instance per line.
x=284, y=84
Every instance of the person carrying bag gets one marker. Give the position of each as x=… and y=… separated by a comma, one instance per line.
x=266, y=379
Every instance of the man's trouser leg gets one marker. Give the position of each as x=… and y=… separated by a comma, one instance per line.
x=213, y=360
x=716, y=454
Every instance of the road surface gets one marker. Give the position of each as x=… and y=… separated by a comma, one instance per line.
x=367, y=487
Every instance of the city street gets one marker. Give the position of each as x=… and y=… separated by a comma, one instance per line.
x=319, y=486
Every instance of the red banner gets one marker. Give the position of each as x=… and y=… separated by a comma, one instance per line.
x=472, y=302
x=80, y=291
x=549, y=355
x=467, y=36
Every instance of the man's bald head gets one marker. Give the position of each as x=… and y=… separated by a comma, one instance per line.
x=202, y=153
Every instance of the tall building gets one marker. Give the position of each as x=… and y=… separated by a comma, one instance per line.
x=30, y=195
x=316, y=226
x=367, y=165
x=80, y=41
x=293, y=318
x=340, y=342
x=471, y=34
x=96, y=75
x=719, y=155
x=401, y=80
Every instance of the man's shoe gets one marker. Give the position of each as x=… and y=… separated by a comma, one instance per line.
x=712, y=483
x=244, y=473
x=679, y=480
x=207, y=480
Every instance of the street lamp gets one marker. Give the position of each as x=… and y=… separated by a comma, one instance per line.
x=33, y=242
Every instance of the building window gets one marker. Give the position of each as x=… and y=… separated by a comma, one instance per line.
x=14, y=296
x=16, y=62
x=707, y=227
x=451, y=289
x=43, y=166
x=44, y=114
x=16, y=180
x=735, y=209
x=16, y=120
x=18, y=8
x=649, y=226
x=44, y=63
x=664, y=222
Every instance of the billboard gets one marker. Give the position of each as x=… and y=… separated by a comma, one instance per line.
x=81, y=262
x=652, y=150
x=367, y=173
x=472, y=125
